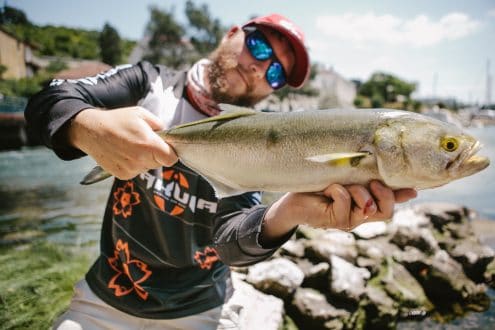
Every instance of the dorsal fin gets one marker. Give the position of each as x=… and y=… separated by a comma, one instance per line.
x=229, y=112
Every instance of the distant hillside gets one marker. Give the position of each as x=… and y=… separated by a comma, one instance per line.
x=63, y=41
x=56, y=40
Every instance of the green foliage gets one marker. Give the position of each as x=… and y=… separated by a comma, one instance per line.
x=58, y=41
x=386, y=90
x=387, y=87
x=168, y=37
x=110, y=45
x=10, y=15
x=207, y=32
x=56, y=66
x=3, y=68
x=165, y=45
x=36, y=284
x=377, y=101
x=65, y=42
x=23, y=87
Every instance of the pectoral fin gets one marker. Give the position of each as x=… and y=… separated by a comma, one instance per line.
x=339, y=158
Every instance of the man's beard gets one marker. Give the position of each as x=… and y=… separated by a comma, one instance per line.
x=223, y=60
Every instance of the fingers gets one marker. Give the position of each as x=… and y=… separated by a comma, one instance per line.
x=153, y=121
x=384, y=198
x=346, y=207
x=339, y=209
x=403, y=195
x=364, y=204
x=163, y=153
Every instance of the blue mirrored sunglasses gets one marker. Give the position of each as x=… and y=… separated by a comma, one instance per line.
x=261, y=50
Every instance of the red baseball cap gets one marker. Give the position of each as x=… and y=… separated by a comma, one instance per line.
x=295, y=36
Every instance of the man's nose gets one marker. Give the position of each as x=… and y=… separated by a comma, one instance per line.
x=258, y=68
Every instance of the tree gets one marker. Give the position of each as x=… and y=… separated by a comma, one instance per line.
x=206, y=31
x=166, y=39
x=10, y=15
x=110, y=45
x=178, y=45
x=383, y=87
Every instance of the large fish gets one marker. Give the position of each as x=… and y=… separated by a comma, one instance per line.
x=244, y=150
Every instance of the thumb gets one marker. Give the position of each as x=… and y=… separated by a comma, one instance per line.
x=163, y=153
x=153, y=121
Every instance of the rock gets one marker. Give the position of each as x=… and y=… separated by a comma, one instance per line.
x=410, y=217
x=421, y=238
x=331, y=243
x=381, y=310
x=311, y=310
x=445, y=282
x=376, y=249
x=441, y=214
x=369, y=264
x=346, y=280
x=254, y=310
x=317, y=277
x=403, y=288
x=308, y=232
x=371, y=230
x=293, y=248
x=473, y=257
x=415, y=260
x=489, y=274
x=279, y=277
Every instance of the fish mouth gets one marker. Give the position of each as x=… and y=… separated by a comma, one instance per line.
x=468, y=162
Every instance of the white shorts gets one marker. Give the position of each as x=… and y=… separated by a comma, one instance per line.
x=87, y=311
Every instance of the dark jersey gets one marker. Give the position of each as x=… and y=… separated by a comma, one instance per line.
x=166, y=239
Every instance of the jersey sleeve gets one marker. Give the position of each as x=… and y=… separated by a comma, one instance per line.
x=49, y=110
x=238, y=227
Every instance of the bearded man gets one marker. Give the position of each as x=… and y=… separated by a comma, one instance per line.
x=166, y=240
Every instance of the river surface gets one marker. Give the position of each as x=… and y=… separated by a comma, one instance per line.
x=41, y=199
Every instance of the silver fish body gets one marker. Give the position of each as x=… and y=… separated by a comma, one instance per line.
x=243, y=150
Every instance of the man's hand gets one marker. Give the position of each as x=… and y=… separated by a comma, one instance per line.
x=122, y=141
x=339, y=207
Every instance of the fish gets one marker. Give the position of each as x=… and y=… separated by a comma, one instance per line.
x=244, y=150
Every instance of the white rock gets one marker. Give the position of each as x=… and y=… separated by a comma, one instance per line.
x=371, y=229
x=252, y=309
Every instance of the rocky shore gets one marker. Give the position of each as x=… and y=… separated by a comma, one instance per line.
x=428, y=261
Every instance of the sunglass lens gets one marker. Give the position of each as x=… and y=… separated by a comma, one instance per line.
x=258, y=46
x=275, y=75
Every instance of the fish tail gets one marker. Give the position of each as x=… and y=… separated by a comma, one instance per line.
x=97, y=174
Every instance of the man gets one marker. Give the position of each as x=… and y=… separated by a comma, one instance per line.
x=166, y=240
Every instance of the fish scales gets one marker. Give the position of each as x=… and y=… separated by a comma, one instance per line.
x=244, y=150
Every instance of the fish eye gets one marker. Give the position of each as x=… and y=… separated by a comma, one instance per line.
x=449, y=144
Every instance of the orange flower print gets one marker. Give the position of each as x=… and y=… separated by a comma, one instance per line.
x=124, y=199
x=207, y=258
x=130, y=272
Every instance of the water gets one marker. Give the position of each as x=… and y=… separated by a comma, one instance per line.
x=41, y=199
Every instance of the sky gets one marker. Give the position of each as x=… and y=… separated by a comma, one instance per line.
x=446, y=47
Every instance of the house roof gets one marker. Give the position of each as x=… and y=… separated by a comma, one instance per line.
x=84, y=69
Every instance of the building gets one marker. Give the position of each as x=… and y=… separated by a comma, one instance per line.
x=16, y=56
x=335, y=90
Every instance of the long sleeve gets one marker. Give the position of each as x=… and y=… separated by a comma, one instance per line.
x=49, y=110
x=238, y=227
